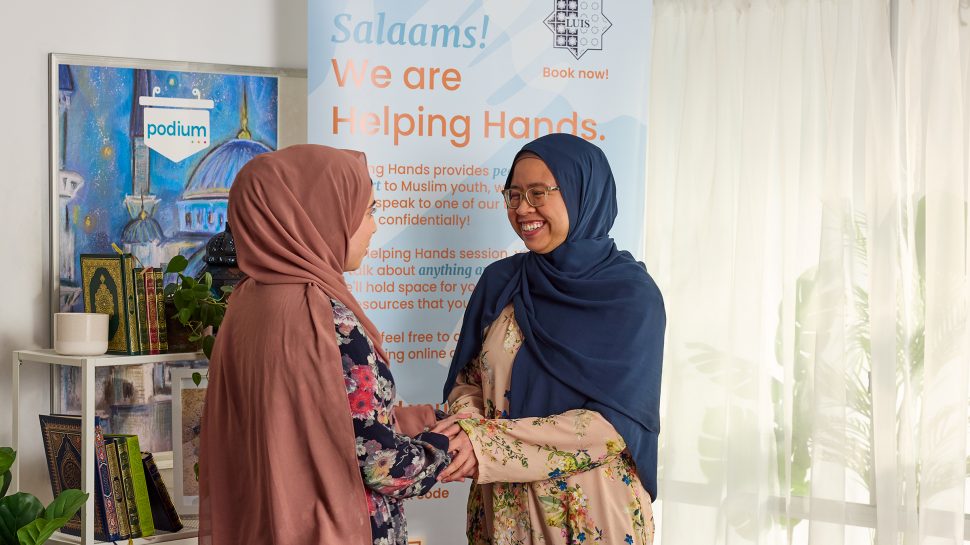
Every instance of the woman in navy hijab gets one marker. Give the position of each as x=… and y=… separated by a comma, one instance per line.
x=559, y=361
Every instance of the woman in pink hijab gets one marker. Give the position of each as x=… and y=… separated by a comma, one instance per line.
x=299, y=442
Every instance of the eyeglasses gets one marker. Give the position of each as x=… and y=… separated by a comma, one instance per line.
x=372, y=211
x=535, y=196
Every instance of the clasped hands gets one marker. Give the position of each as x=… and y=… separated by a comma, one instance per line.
x=464, y=464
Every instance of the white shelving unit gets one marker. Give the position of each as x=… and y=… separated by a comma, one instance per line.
x=88, y=364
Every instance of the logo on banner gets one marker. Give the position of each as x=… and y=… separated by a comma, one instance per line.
x=578, y=25
x=177, y=127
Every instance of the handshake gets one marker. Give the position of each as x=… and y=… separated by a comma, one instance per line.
x=464, y=464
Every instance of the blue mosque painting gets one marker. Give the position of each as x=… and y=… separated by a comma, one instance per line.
x=113, y=189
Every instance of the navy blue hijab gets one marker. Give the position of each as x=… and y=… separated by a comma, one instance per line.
x=591, y=317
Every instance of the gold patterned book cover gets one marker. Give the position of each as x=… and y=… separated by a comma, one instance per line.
x=141, y=301
x=160, y=310
x=104, y=285
x=131, y=303
x=62, y=446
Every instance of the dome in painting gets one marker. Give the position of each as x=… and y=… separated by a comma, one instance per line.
x=142, y=230
x=215, y=173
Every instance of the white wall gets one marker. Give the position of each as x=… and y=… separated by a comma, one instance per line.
x=243, y=32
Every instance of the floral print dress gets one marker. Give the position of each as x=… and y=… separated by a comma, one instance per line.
x=562, y=479
x=394, y=466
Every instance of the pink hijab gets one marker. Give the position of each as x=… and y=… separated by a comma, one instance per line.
x=277, y=460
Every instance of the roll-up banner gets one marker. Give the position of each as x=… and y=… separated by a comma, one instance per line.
x=441, y=95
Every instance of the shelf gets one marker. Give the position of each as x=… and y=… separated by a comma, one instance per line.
x=105, y=360
x=187, y=536
x=88, y=366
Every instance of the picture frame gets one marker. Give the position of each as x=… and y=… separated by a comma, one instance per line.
x=109, y=185
x=187, y=403
x=106, y=99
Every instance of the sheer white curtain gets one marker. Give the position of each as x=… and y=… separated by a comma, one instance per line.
x=807, y=222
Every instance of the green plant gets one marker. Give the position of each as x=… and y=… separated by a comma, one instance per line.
x=23, y=519
x=198, y=309
x=196, y=303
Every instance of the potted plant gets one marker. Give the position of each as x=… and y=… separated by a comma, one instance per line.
x=197, y=306
x=23, y=519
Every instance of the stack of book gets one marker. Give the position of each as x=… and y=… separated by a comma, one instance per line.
x=133, y=298
x=130, y=499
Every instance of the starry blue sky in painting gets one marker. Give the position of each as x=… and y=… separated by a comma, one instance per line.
x=99, y=146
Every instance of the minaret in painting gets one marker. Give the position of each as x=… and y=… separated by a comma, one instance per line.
x=68, y=183
x=142, y=236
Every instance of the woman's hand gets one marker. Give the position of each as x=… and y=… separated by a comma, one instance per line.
x=449, y=426
x=464, y=463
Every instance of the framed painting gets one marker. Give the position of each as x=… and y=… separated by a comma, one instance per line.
x=142, y=156
x=187, y=402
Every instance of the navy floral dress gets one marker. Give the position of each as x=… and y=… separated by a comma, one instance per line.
x=394, y=466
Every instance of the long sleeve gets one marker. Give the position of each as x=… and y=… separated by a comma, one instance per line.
x=396, y=465
x=537, y=449
x=564, y=478
x=466, y=396
x=392, y=464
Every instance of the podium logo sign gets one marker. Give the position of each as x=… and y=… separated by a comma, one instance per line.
x=578, y=25
x=177, y=128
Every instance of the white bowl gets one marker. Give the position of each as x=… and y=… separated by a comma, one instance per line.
x=80, y=333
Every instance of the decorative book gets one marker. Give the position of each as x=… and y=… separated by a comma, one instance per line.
x=149, y=318
x=62, y=446
x=159, y=276
x=144, y=339
x=163, y=509
x=107, y=287
x=118, y=488
x=128, y=486
x=132, y=454
x=102, y=482
x=147, y=279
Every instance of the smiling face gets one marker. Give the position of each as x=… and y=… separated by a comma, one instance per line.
x=357, y=248
x=544, y=228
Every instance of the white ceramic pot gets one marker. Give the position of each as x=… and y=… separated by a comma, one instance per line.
x=80, y=333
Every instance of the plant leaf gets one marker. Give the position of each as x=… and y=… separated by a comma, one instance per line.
x=184, y=315
x=177, y=264
x=5, y=483
x=207, y=343
x=170, y=289
x=66, y=504
x=38, y=531
x=197, y=378
x=206, y=314
x=188, y=282
x=7, y=456
x=17, y=511
x=183, y=298
x=8, y=529
x=226, y=289
x=207, y=279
